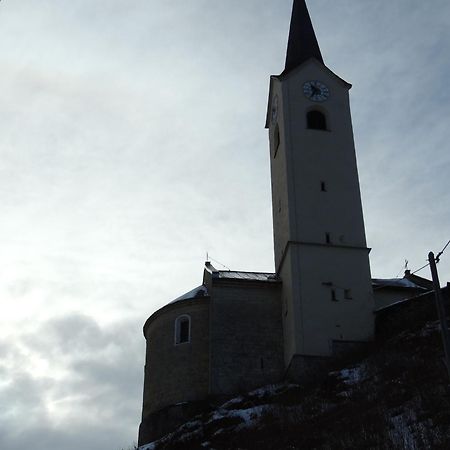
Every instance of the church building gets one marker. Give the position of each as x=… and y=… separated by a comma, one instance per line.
x=240, y=330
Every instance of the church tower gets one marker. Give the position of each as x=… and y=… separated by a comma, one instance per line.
x=321, y=255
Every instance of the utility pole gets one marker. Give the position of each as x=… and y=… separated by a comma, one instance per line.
x=441, y=310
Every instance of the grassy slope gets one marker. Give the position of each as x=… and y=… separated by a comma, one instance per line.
x=396, y=397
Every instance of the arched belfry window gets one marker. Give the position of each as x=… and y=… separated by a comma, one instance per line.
x=182, y=330
x=316, y=120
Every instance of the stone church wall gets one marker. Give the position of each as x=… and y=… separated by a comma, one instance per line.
x=180, y=372
x=246, y=336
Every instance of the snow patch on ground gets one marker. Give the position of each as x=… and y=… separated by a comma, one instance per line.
x=228, y=410
x=150, y=446
x=232, y=402
x=187, y=430
x=270, y=389
x=430, y=328
x=401, y=432
x=248, y=416
x=351, y=376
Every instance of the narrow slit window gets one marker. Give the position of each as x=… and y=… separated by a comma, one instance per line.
x=323, y=186
x=328, y=238
x=316, y=120
x=276, y=139
x=333, y=295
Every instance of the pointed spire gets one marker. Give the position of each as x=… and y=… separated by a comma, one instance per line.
x=302, y=43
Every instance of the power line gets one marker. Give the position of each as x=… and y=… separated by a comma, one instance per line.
x=405, y=267
x=218, y=262
x=418, y=270
x=437, y=258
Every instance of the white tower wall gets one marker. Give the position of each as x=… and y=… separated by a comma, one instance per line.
x=319, y=238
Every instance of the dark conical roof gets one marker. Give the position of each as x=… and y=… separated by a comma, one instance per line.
x=302, y=43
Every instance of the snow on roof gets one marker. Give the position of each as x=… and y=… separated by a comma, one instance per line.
x=395, y=282
x=423, y=295
x=240, y=275
x=251, y=276
x=198, y=292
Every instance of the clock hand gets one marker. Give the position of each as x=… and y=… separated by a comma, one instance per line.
x=315, y=91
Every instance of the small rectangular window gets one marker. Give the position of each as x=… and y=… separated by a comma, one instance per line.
x=333, y=295
x=323, y=186
x=348, y=294
x=328, y=238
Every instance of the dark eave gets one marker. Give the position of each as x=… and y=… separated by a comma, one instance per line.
x=199, y=294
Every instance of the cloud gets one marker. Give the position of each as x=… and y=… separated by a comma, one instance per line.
x=68, y=381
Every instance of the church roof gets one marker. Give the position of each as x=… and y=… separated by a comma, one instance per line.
x=202, y=291
x=302, y=43
x=248, y=276
x=240, y=275
x=379, y=283
x=198, y=292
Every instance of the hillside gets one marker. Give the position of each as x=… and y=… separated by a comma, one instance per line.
x=396, y=396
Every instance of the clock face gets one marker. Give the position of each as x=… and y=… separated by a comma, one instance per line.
x=274, y=110
x=316, y=91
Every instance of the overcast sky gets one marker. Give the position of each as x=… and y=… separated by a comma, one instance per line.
x=132, y=142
